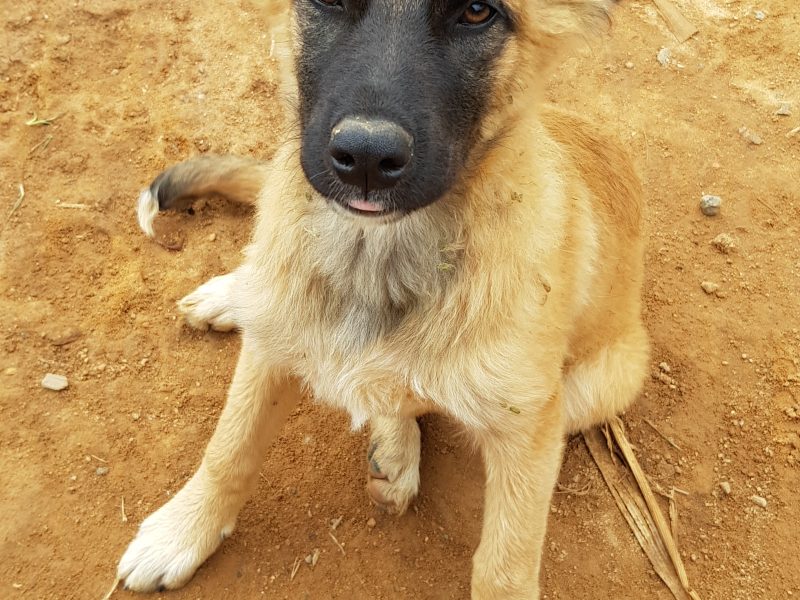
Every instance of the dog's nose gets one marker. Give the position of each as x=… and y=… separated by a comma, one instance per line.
x=372, y=154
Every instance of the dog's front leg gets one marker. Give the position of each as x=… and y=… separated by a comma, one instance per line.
x=175, y=540
x=522, y=454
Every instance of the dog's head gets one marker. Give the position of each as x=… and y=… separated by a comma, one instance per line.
x=397, y=96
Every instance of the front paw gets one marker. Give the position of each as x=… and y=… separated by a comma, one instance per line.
x=172, y=543
x=211, y=305
x=393, y=467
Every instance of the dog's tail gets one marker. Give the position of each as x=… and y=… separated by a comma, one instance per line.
x=239, y=179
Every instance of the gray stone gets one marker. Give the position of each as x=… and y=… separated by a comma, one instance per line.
x=55, y=382
x=750, y=136
x=710, y=205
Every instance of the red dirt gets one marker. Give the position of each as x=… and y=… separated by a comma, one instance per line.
x=139, y=85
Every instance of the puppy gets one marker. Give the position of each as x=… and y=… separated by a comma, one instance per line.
x=429, y=238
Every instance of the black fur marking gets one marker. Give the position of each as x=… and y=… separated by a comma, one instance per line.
x=164, y=190
x=409, y=62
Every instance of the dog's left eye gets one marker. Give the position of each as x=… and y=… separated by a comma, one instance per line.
x=477, y=13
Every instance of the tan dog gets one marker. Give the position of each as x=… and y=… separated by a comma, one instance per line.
x=485, y=265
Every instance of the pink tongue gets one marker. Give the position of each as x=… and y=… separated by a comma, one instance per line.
x=366, y=206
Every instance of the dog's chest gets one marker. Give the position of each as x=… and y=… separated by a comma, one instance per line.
x=370, y=385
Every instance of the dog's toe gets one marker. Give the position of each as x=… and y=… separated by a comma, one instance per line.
x=392, y=481
x=210, y=305
x=168, y=548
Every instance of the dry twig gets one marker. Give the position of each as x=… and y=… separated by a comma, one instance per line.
x=338, y=544
x=581, y=491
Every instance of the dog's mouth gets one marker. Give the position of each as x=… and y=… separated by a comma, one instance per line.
x=367, y=208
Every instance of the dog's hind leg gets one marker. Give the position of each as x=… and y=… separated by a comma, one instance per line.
x=597, y=389
x=393, y=478
x=175, y=540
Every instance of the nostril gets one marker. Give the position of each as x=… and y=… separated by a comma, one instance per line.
x=370, y=153
x=343, y=159
x=392, y=165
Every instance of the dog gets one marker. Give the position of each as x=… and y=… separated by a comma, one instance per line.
x=430, y=237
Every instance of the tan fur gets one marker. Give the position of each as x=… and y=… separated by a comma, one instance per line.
x=512, y=305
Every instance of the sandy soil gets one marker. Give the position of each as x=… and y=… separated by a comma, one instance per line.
x=136, y=86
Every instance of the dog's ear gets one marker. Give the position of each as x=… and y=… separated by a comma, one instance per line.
x=556, y=26
x=572, y=18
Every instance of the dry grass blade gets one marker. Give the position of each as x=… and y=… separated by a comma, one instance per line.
x=679, y=25
x=295, y=568
x=43, y=144
x=673, y=517
x=663, y=435
x=35, y=121
x=618, y=430
x=17, y=204
x=638, y=506
x=337, y=542
x=113, y=589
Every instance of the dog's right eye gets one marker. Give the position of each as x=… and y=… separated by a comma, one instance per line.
x=329, y=3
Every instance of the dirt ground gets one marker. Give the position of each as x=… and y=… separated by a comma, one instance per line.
x=134, y=86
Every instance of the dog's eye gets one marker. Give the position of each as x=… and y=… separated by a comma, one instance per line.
x=477, y=13
x=329, y=2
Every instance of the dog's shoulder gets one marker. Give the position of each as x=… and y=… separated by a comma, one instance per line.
x=602, y=163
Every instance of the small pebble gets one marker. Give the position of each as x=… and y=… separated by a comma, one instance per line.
x=762, y=502
x=760, y=15
x=726, y=487
x=784, y=110
x=135, y=416
x=371, y=522
x=750, y=136
x=665, y=367
x=10, y=371
x=212, y=237
x=663, y=57
x=710, y=205
x=629, y=65
x=101, y=470
x=725, y=243
x=709, y=287
x=63, y=39
x=55, y=382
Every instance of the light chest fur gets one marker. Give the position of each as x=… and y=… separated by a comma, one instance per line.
x=425, y=313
